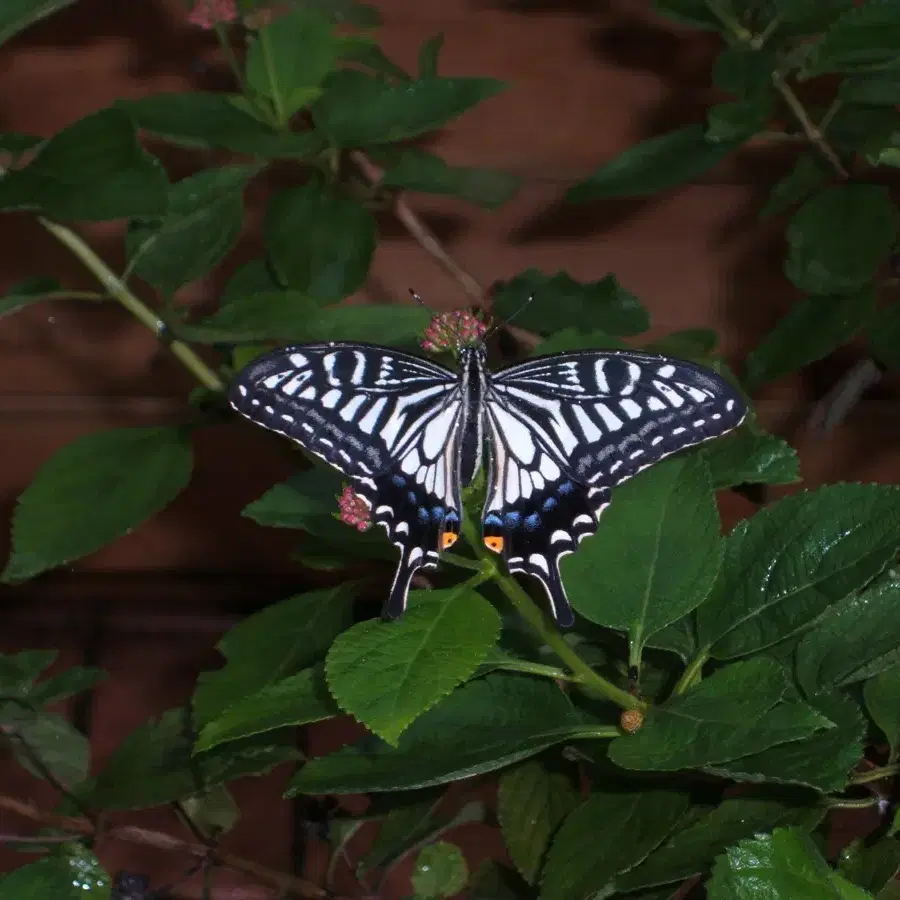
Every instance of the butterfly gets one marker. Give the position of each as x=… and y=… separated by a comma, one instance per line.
x=560, y=431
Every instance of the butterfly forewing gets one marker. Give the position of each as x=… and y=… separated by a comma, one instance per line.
x=388, y=420
x=568, y=428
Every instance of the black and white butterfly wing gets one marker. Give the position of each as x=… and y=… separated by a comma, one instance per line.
x=566, y=429
x=387, y=420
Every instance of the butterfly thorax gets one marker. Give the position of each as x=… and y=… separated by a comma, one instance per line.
x=473, y=383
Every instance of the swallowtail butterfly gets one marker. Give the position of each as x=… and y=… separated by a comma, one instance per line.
x=561, y=431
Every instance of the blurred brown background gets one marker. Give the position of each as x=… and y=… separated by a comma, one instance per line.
x=586, y=80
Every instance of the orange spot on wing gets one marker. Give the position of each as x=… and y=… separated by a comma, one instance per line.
x=494, y=543
x=448, y=539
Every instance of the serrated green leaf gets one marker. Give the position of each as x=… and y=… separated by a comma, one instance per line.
x=807, y=175
x=17, y=15
x=204, y=220
x=854, y=640
x=558, y=298
x=136, y=472
x=878, y=89
x=494, y=882
x=884, y=335
x=271, y=645
x=16, y=143
x=418, y=170
x=657, y=556
x=882, y=696
x=206, y=120
x=440, y=871
x=214, y=811
x=738, y=120
x=94, y=169
x=691, y=850
x=482, y=726
x=744, y=70
x=358, y=109
x=861, y=129
x=872, y=868
x=272, y=315
x=736, y=711
x=608, y=834
x=747, y=458
x=400, y=830
x=387, y=674
x=63, y=751
x=365, y=51
x=784, y=865
x=811, y=329
x=571, y=339
x=825, y=259
x=654, y=165
x=697, y=344
x=531, y=803
x=70, y=872
x=677, y=638
x=19, y=671
x=320, y=241
x=691, y=12
x=289, y=56
x=64, y=685
x=27, y=292
x=296, y=700
x=796, y=558
x=863, y=39
x=796, y=17
x=383, y=324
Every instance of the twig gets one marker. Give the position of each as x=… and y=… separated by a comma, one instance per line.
x=131, y=834
x=835, y=406
x=39, y=839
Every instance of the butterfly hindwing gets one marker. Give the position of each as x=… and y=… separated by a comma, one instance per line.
x=568, y=428
x=387, y=420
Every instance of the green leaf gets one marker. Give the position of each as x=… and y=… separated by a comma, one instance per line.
x=296, y=700
x=154, y=765
x=358, y=110
x=873, y=867
x=603, y=304
x=482, y=726
x=825, y=259
x=882, y=696
x=401, y=829
x=16, y=143
x=271, y=645
x=793, y=560
x=321, y=242
x=339, y=12
x=654, y=165
x=656, y=557
x=691, y=12
x=394, y=325
x=738, y=120
x=811, y=329
x=94, y=169
x=70, y=872
x=62, y=750
x=853, y=640
x=608, y=834
x=440, y=871
x=428, y=55
x=736, y=711
x=203, y=222
x=19, y=671
x=27, y=292
x=365, y=51
x=744, y=70
x=386, y=674
x=747, y=458
x=418, y=170
x=494, y=882
x=863, y=39
x=878, y=89
x=288, y=57
x=531, y=803
x=784, y=865
x=884, y=335
x=64, y=685
x=807, y=175
x=822, y=761
x=571, y=339
x=691, y=850
x=17, y=15
x=205, y=120
x=136, y=471
x=697, y=344
x=213, y=812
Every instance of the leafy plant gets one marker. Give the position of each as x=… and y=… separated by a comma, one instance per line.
x=722, y=695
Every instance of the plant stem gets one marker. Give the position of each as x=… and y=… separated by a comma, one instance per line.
x=514, y=592
x=838, y=803
x=692, y=674
x=876, y=774
x=230, y=58
x=116, y=289
x=462, y=562
x=277, y=102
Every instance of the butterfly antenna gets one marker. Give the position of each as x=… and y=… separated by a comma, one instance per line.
x=418, y=299
x=500, y=325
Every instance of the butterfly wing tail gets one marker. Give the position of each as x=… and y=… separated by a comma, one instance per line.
x=411, y=560
x=546, y=570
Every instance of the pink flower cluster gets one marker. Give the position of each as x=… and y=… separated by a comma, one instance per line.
x=354, y=510
x=451, y=330
x=207, y=13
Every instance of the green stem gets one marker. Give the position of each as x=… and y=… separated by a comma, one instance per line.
x=75, y=295
x=876, y=774
x=116, y=289
x=230, y=58
x=514, y=592
x=533, y=668
x=692, y=674
x=277, y=102
x=594, y=732
x=733, y=27
x=838, y=803
x=462, y=562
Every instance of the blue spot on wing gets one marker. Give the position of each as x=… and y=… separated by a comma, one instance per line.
x=566, y=488
x=493, y=519
x=411, y=497
x=513, y=519
x=422, y=513
x=549, y=503
x=399, y=480
x=533, y=521
x=437, y=513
